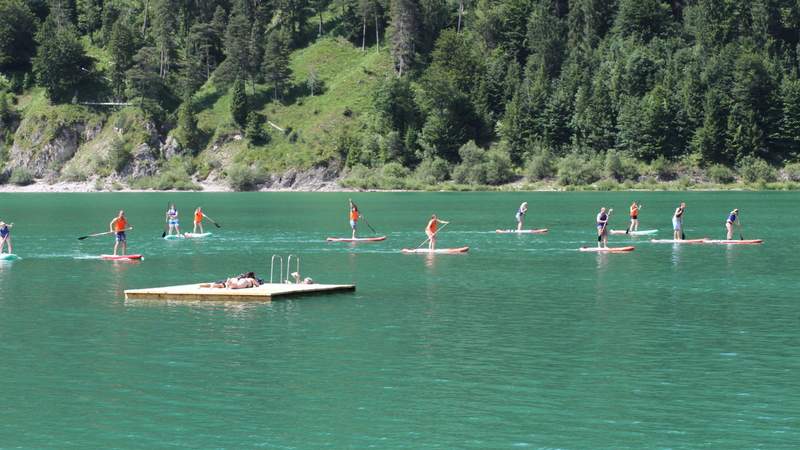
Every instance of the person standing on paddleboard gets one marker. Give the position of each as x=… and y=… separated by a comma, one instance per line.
x=5, y=236
x=733, y=219
x=635, y=207
x=118, y=227
x=430, y=230
x=523, y=208
x=354, y=216
x=172, y=220
x=677, y=222
x=602, y=227
x=198, y=220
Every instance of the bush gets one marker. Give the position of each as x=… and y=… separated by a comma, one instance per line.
x=432, y=170
x=176, y=174
x=662, y=169
x=619, y=167
x=479, y=166
x=118, y=155
x=498, y=167
x=255, y=129
x=74, y=172
x=21, y=177
x=721, y=174
x=244, y=178
x=792, y=172
x=753, y=169
x=395, y=170
x=541, y=166
x=361, y=177
x=575, y=170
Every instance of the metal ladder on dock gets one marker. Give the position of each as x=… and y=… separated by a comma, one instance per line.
x=283, y=277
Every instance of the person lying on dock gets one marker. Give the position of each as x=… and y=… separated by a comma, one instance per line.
x=243, y=281
x=298, y=280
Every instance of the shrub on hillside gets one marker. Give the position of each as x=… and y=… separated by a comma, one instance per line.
x=432, y=171
x=498, y=167
x=541, y=165
x=244, y=178
x=479, y=166
x=118, y=155
x=753, y=169
x=575, y=170
x=721, y=174
x=792, y=172
x=21, y=177
x=663, y=169
x=620, y=167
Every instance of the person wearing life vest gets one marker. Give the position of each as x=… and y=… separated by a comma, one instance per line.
x=677, y=222
x=733, y=219
x=430, y=230
x=520, y=216
x=354, y=216
x=635, y=207
x=198, y=220
x=172, y=220
x=118, y=226
x=5, y=236
x=602, y=227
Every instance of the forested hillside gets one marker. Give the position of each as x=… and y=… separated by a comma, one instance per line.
x=400, y=93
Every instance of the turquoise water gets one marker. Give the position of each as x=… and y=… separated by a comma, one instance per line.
x=522, y=342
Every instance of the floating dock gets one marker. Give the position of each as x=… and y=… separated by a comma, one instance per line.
x=264, y=293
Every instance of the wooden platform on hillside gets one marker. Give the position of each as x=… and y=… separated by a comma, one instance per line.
x=264, y=293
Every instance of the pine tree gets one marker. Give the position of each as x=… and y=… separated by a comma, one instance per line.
x=237, y=48
x=17, y=27
x=89, y=16
x=239, y=107
x=186, y=131
x=164, y=26
x=790, y=120
x=404, y=34
x=122, y=47
x=276, y=62
x=61, y=63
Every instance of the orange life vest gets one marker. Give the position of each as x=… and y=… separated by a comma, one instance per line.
x=198, y=217
x=120, y=224
x=432, y=225
x=353, y=214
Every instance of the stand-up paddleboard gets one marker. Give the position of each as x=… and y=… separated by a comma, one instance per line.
x=634, y=233
x=174, y=237
x=436, y=251
x=134, y=257
x=679, y=241
x=366, y=239
x=729, y=242
x=8, y=257
x=196, y=235
x=629, y=248
x=536, y=231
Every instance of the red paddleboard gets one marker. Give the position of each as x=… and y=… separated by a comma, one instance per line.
x=437, y=251
x=368, y=239
x=679, y=241
x=608, y=249
x=537, y=231
x=121, y=257
x=741, y=242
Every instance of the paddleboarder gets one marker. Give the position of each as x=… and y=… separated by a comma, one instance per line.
x=430, y=230
x=635, y=207
x=172, y=220
x=733, y=219
x=602, y=227
x=523, y=208
x=5, y=236
x=198, y=220
x=677, y=222
x=118, y=226
x=354, y=216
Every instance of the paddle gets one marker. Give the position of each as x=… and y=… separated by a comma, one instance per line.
x=367, y=222
x=434, y=234
x=602, y=230
x=166, y=223
x=101, y=234
x=212, y=221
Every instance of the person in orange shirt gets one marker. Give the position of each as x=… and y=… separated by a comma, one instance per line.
x=354, y=216
x=198, y=220
x=635, y=207
x=431, y=229
x=119, y=226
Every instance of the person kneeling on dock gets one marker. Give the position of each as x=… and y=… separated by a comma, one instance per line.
x=243, y=281
x=299, y=280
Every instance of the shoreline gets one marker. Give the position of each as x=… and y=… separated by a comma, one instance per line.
x=42, y=187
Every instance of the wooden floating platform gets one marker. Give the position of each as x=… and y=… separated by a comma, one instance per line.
x=264, y=293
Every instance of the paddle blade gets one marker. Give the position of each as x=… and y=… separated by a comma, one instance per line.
x=82, y=238
x=163, y=234
x=217, y=225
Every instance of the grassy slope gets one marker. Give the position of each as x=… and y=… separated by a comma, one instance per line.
x=349, y=76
